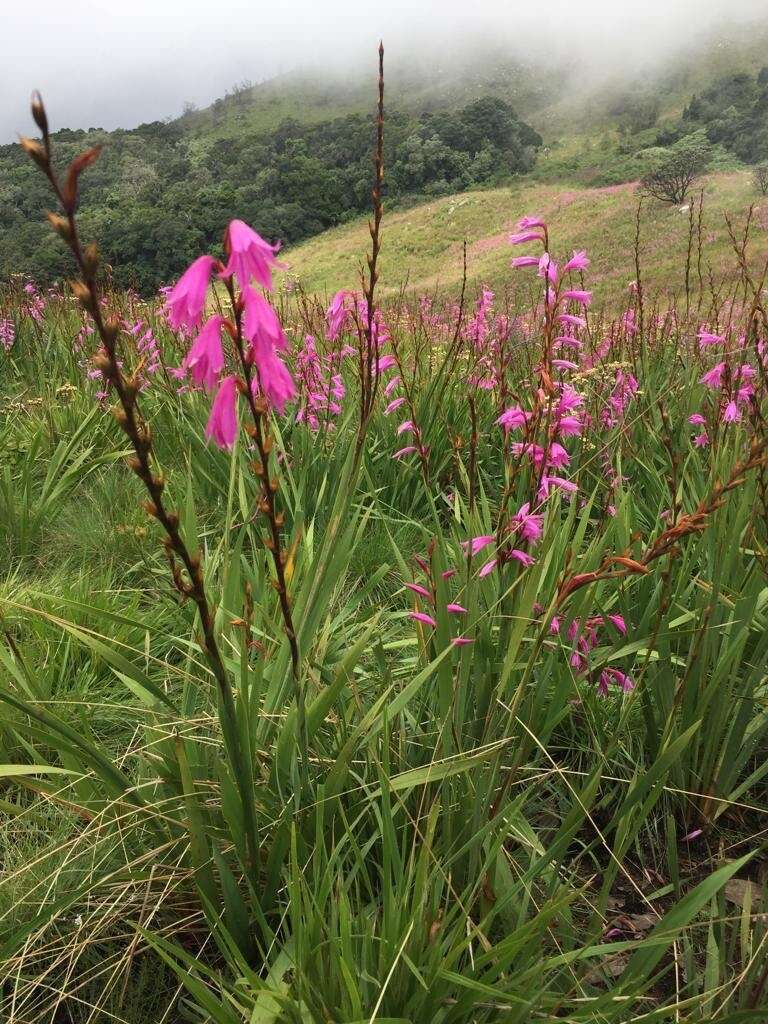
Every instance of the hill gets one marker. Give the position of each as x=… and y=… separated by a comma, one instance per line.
x=422, y=247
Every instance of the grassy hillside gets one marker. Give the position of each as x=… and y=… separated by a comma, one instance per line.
x=423, y=246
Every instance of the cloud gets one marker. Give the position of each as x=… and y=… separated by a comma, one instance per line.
x=118, y=64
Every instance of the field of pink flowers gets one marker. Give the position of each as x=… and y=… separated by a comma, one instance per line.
x=398, y=661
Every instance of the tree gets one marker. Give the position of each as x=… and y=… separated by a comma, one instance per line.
x=674, y=170
x=760, y=178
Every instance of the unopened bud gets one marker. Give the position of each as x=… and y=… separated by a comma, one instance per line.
x=35, y=150
x=273, y=485
x=91, y=258
x=38, y=112
x=60, y=225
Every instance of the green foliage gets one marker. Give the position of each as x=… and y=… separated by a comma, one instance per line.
x=159, y=195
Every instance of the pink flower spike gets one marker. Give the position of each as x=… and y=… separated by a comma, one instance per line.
x=422, y=617
x=488, y=568
x=578, y=261
x=521, y=237
x=186, y=300
x=477, y=543
x=205, y=359
x=530, y=222
x=522, y=556
x=393, y=405
x=456, y=609
x=524, y=261
x=222, y=423
x=249, y=255
x=462, y=641
x=408, y=450
x=697, y=420
x=418, y=589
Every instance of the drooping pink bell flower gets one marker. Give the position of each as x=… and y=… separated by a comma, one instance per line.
x=274, y=379
x=530, y=222
x=477, y=544
x=456, y=609
x=697, y=420
x=527, y=524
x=408, y=450
x=731, y=413
x=385, y=363
x=619, y=623
x=418, y=589
x=564, y=364
x=186, y=300
x=569, y=426
x=250, y=256
x=524, y=261
x=394, y=405
x=488, y=568
x=572, y=320
x=548, y=268
x=548, y=482
x=521, y=237
x=701, y=440
x=422, y=617
x=390, y=386
x=514, y=418
x=578, y=295
x=406, y=427
x=714, y=378
x=522, y=557
x=462, y=641
x=205, y=359
x=578, y=261
x=336, y=316
x=558, y=456
x=222, y=422
x=706, y=338
x=261, y=323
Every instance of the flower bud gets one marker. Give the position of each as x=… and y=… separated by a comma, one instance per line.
x=38, y=113
x=60, y=225
x=35, y=150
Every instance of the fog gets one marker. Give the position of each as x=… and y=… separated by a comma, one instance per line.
x=118, y=64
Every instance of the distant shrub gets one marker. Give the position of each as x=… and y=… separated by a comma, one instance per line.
x=760, y=178
x=674, y=170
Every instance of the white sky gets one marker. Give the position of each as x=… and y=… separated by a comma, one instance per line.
x=121, y=62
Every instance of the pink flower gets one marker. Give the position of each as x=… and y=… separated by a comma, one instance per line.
x=619, y=623
x=558, y=456
x=393, y=405
x=701, y=440
x=714, y=378
x=222, y=423
x=405, y=427
x=706, y=338
x=249, y=255
x=577, y=295
x=461, y=641
x=524, y=236
x=261, y=323
x=524, y=261
x=205, y=359
x=422, y=617
x=418, y=589
x=385, y=363
x=572, y=320
x=564, y=364
x=513, y=418
x=457, y=609
x=697, y=419
x=569, y=426
x=408, y=450
x=273, y=378
x=548, y=268
x=548, y=482
x=477, y=543
x=186, y=300
x=530, y=222
x=578, y=261
x=522, y=556
x=336, y=316
x=527, y=524
x=731, y=413
x=390, y=386
x=488, y=568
